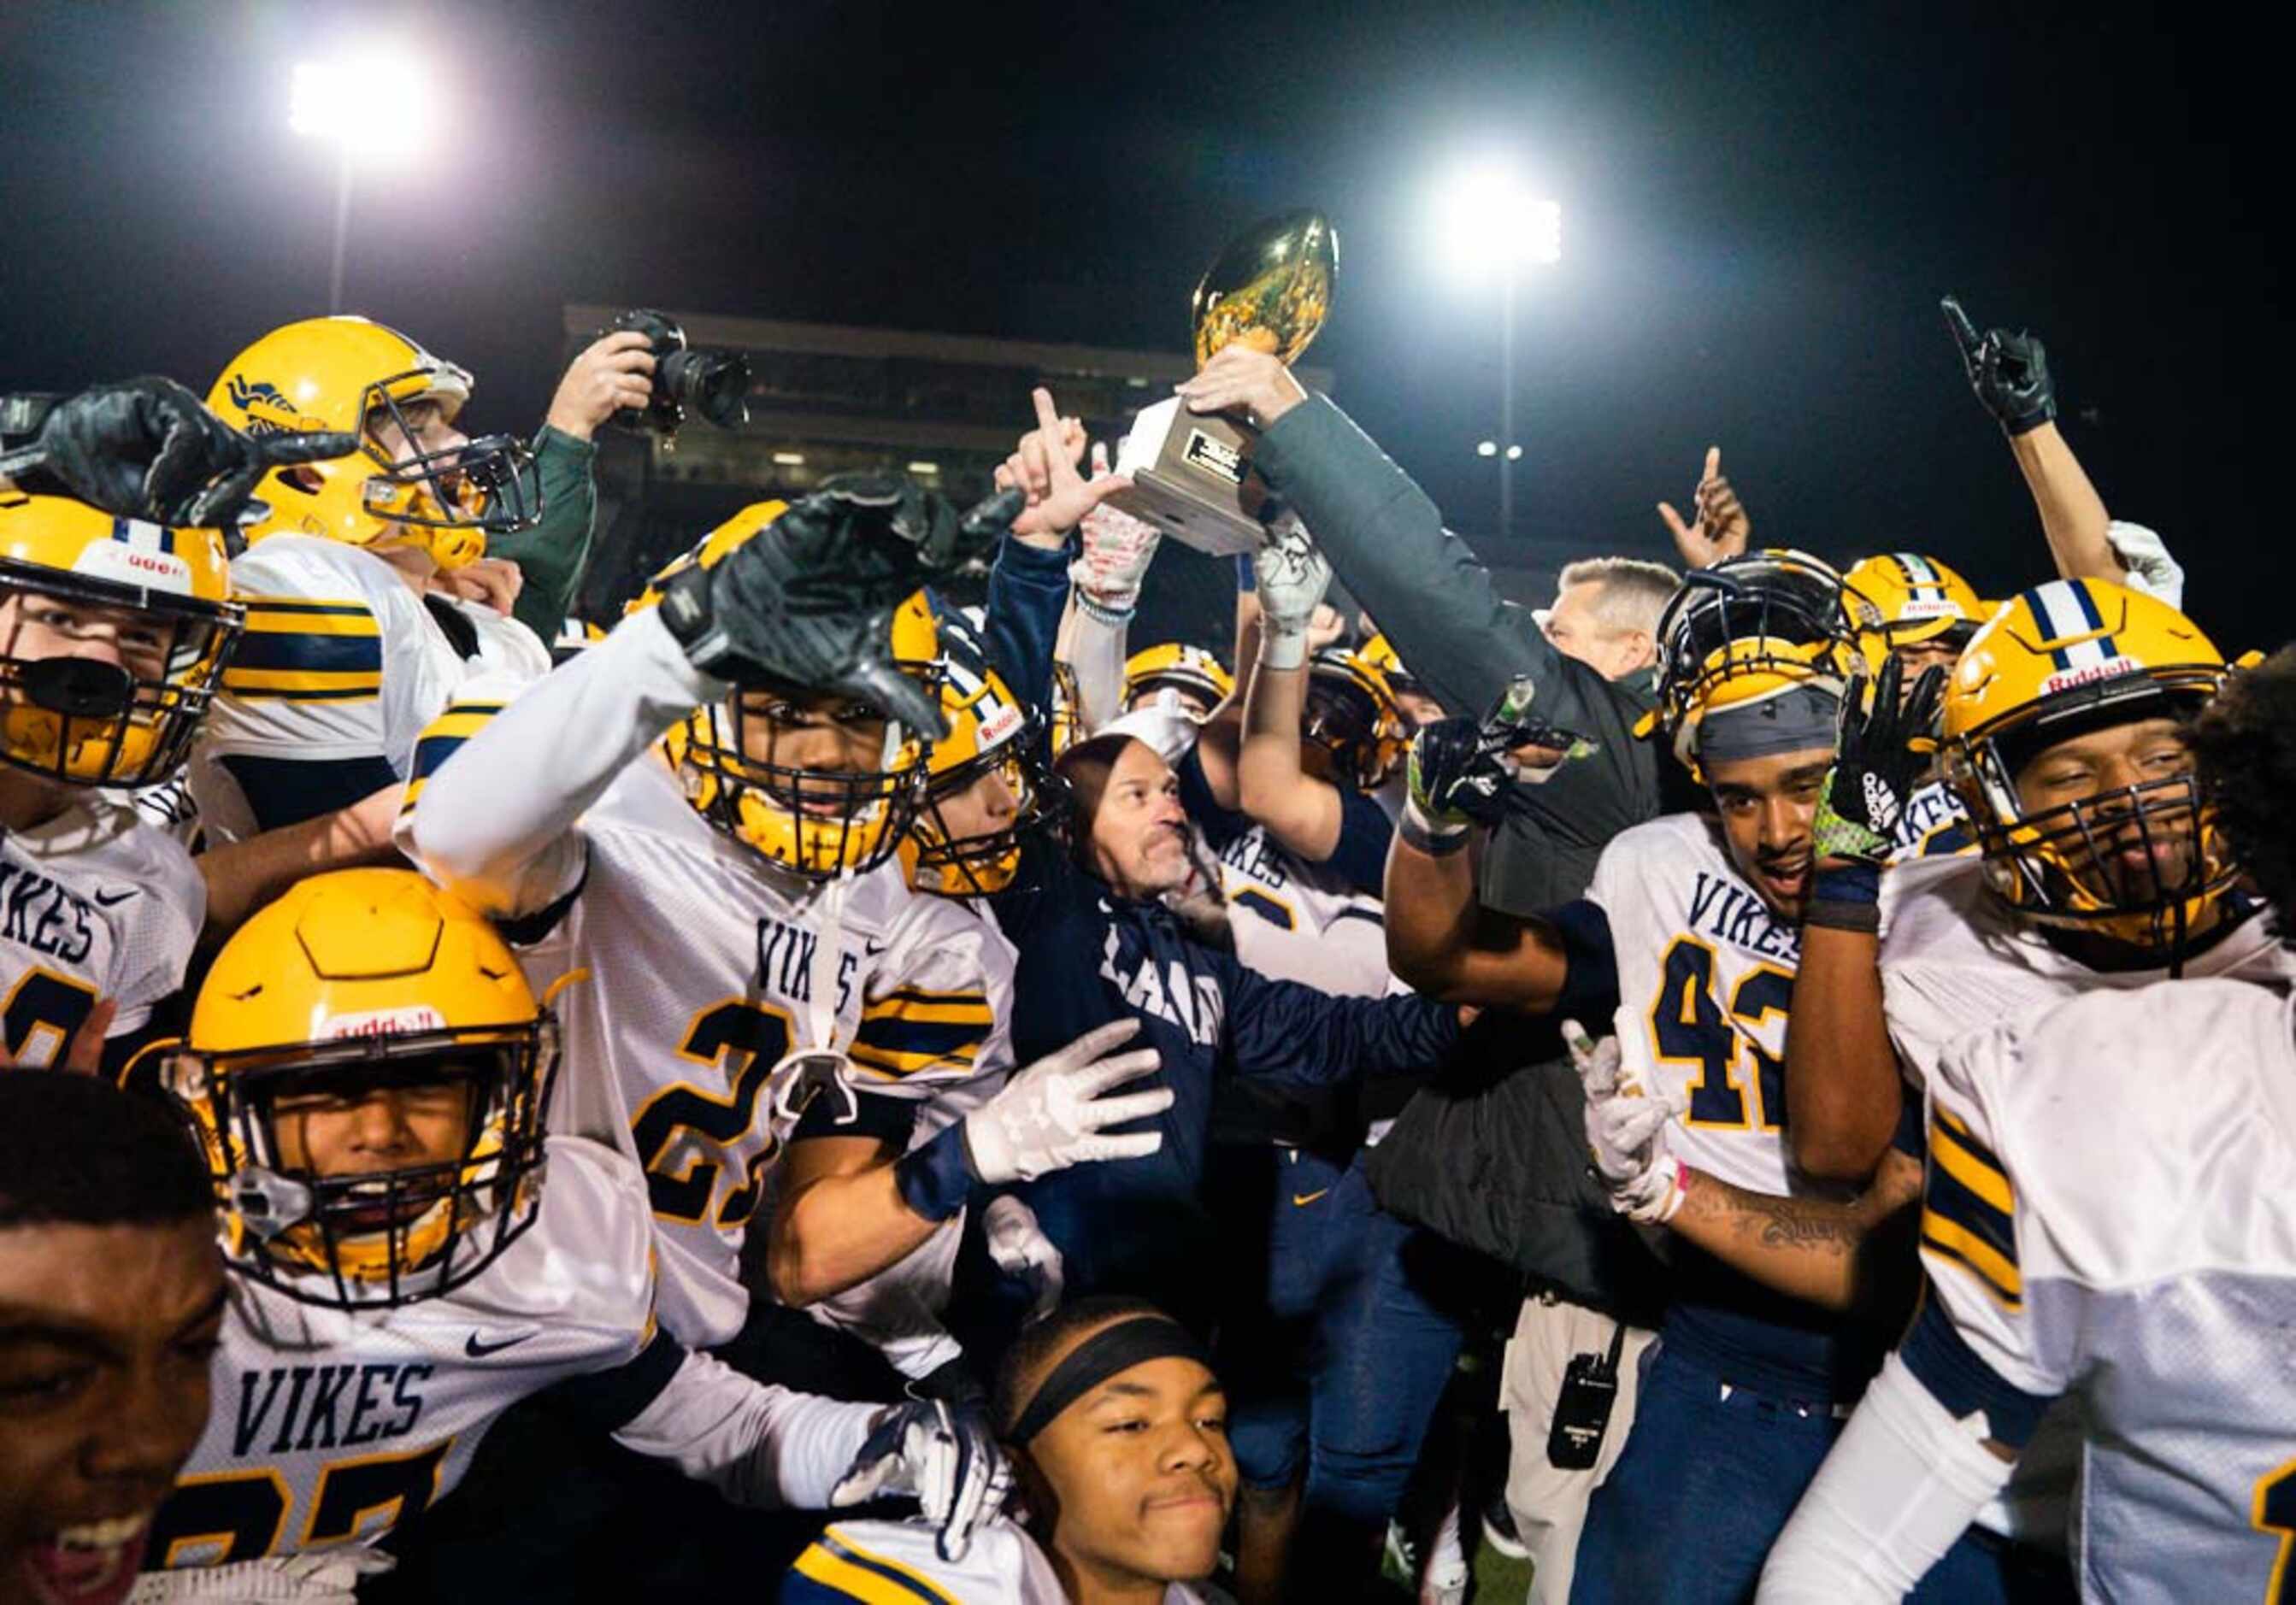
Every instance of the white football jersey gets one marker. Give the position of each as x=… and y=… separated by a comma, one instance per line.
x=898, y=1311
x=340, y=659
x=899, y=1561
x=1955, y=960
x=708, y=968
x=1300, y=921
x=330, y=1427
x=1706, y=974
x=2111, y=1212
x=1934, y=823
x=94, y=904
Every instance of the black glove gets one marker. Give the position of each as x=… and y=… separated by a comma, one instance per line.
x=2010, y=372
x=147, y=448
x=1880, y=759
x=809, y=601
x=1460, y=774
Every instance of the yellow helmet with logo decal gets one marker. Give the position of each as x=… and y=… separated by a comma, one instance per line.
x=818, y=823
x=1194, y=674
x=988, y=753
x=349, y=373
x=360, y=985
x=2138, y=862
x=1902, y=599
x=1745, y=630
x=70, y=575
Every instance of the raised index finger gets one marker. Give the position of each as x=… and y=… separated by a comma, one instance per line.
x=1964, y=332
x=1048, y=416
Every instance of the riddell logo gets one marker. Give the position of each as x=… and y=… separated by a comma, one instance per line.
x=156, y=565
x=381, y=1023
x=2111, y=669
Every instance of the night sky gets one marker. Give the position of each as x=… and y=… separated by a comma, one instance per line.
x=1762, y=205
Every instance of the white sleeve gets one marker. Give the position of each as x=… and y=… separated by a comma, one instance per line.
x=757, y=1443
x=1094, y=652
x=937, y=1009
x=496, y=821
x=158, y=948
x=1901, y=1484
x=2146, y=556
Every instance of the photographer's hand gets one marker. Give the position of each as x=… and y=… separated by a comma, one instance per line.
x=614, y=372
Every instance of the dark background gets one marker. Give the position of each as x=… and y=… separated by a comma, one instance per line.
x=1761, y=204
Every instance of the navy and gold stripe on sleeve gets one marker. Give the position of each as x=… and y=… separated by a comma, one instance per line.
x=834, y=1568
x=1968, y=1211
x=438, y=741
x=307, y=651
x=910, y=1030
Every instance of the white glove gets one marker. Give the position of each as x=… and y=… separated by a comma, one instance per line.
x=1626, y=1131
x=1292, y=577
x=1051, y=1114
x=1018, y=1245
x=314, y=1577
x=2146, y=556
x=1116, y=550
x=943, y=1455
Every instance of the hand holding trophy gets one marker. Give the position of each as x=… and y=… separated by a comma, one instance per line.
x=1269, y=289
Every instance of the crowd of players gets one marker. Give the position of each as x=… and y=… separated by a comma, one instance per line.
x=1074, y=1108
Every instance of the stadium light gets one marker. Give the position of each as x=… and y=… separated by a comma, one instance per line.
x=1488, y=222
x=1487, y=448
x=373, y=107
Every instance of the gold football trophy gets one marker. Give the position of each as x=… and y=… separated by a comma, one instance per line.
x=1192, y=477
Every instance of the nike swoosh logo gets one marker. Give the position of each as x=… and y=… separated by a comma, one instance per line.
x=1303, y=1199
x=113, y=899
x=480, y=1351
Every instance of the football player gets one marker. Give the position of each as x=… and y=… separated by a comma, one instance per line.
x=1916, y=609
x=1198, y=682
x=1117, y=1428
x=2106, y=1215
x=113, y=633
x=110, y=1293
x=1690, y=935
x=368, y=1072
x=350, y=649
x=984, y=791
x=746, y=917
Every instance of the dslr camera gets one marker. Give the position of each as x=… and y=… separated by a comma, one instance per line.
x=715, y=384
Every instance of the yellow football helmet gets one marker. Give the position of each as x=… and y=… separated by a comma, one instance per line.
x=354, y=984
x=819, y=824
x=2061, y=661
x=1350, y=714
x=349, y=373
x=1901, y=598
x=64, y=569
x=1190, y=670
x=990, y=732
x=1745, y=630
x=1380, y=653
x=1067, y=711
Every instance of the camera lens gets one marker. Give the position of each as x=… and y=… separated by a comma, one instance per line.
x=715, y=384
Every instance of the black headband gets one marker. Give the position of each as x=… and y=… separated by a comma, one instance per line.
x=1132, y=1341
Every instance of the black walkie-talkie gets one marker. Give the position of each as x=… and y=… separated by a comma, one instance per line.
x=1582, y=1410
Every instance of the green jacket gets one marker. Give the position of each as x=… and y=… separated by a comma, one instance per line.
x=1464, y=642
x=554, y=554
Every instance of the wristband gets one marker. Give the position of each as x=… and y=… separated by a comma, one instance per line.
x=1851, y=883
x=1425, y=835
x=1100, y=613
x=936, y=1179
x=1678, y=1195
x=1282, y=648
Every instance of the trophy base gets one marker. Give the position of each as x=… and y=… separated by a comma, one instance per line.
x=1192, y=477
